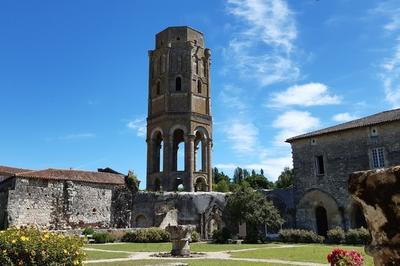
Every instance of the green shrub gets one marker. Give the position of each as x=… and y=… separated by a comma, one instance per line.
x=146, y=235
x=195, y=236
x=88, y=231
x=102, y=237
x=358, y=236
x=29, y=246
x=299, y=236
x=221, y=236
x=335, y=235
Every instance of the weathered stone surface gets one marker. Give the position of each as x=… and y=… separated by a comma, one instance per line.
x=343, y=153
x=378, y=192
x=180, y=236
x=56, y=204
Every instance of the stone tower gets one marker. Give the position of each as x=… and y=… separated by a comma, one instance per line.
x=179, y=123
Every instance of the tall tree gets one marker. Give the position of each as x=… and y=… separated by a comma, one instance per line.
x=285, y=179
x=249, y=206
x=238, y=175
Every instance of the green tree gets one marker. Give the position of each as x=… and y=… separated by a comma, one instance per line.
x=285, y=179
x=132, y=181
x=249, y=206
x=238, y=175
x=221, y=186
x=258, y=181
x=219, y=176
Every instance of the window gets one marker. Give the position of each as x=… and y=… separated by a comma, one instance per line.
x=378, y=158
x=178, y=86
x=319, y=163
x=199, y=86
x=158, y=91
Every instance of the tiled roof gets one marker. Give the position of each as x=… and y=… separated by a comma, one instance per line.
x=75, y=175
x=10, y=171
x=383, y=117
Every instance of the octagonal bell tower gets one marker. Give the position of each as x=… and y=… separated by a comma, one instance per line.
x=179, y=123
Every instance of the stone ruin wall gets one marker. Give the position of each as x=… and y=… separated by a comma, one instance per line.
x=58, y=204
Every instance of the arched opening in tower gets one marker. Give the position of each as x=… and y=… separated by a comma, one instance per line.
x=200, y=185
x=199, y=152
x=158, y=152
x=178, y=158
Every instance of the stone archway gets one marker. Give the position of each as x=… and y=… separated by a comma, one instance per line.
x=200, y=184
x=313, y=207
x=141, y=221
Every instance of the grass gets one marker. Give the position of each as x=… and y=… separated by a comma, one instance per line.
x=190, y=263
x=296, y=252
x=100, y=255
x=301, y=252
x=164, y=247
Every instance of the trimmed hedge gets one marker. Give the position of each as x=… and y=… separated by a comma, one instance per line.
x=103, y=237
x=146, y=235
x=335, y=236
x=29, y=246
x=358, y=236
x=195, y=236
x=299, y=236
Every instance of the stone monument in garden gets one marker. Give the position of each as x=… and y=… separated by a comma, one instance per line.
x=180, y=238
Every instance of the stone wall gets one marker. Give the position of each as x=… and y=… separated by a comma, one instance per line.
x=343, y=152
x=59, y=204
x=203, y=209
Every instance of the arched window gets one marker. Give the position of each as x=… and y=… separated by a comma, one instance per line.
x=199, y=153
x=158, y=90
x=178, y=84
x=178, y=160
x=199, y=86
x=158, y=152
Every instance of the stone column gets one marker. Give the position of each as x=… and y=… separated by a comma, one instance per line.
x=208, y=164
x=189, y=161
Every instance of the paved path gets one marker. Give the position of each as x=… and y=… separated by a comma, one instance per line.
x=220, y=255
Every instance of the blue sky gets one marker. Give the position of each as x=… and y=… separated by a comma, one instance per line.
x=73, y=76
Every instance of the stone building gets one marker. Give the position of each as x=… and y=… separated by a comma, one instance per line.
x=179, y=112
x=324, y=159
x=59, y=199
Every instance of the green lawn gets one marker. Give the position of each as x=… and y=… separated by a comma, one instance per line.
x=98, y=255
x=301, y=252
x=296, y=252
x=190, y=263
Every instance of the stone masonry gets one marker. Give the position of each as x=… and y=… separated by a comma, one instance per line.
x=323, y=161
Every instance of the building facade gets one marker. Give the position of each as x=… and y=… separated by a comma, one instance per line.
x=323, y=161
x=179, y=124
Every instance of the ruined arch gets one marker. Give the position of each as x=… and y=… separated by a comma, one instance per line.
x=309, y=212
x=157, y=144
x=178, y=150
x=141, y=221
x=200, y=184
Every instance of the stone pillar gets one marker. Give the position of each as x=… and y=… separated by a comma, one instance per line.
x=208, y=164
x=378, y=192
x=189, y=161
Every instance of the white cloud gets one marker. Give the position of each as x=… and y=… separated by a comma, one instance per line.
x=262, y=46
x=293, y=123
x=77, y=136
x=309, y=94
x=232, y=97
x=139, y=125
x=390, y=67
x=344, y=117
x=243, y=136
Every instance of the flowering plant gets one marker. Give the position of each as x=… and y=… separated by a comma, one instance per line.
x=341, y=257
x=30, y=246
